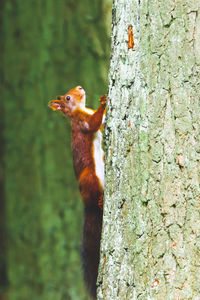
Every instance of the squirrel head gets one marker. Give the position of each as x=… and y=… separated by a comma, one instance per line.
x=70, y=102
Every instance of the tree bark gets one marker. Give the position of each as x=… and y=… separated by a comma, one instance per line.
x=151, y=228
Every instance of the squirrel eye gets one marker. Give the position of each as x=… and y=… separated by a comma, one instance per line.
x=68, y=98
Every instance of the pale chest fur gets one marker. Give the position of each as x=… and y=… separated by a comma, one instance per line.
x=98, y=152
x=98, y=156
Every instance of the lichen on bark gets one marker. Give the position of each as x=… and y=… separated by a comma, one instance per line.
x=151, y=230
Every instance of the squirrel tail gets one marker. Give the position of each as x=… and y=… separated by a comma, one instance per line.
x=91, y=246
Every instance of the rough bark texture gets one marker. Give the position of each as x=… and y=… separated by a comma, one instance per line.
x=151, y=231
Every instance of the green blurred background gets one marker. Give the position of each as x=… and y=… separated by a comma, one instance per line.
x=47, y=47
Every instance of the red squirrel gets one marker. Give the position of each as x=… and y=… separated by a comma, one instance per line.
x=88, y=159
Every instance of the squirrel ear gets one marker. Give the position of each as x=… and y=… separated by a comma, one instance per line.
x=56, y=104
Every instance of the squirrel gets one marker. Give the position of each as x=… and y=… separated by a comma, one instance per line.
x=88, y=161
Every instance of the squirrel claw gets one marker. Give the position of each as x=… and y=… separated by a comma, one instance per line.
x=103, y=99
x=100, y=202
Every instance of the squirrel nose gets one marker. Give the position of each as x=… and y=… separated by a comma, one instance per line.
x=58, y=97
x=79, y=87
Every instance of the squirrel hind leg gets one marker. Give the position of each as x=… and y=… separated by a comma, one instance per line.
x=90, y=188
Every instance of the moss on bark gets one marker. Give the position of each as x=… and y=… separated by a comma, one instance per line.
x=151, y=231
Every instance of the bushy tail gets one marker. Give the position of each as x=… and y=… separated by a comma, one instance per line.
x=91, y=246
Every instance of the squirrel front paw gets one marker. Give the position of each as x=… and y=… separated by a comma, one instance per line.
x=103, y=99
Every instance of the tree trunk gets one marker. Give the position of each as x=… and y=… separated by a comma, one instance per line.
x=151, y=228
x=48, y=47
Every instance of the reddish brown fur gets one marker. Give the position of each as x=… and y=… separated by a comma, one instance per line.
x=91, y=244
x=84, y=127
x=83, y=158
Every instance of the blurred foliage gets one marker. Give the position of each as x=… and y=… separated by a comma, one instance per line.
x=47, y=48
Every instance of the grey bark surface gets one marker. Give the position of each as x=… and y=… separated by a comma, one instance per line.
x=151, y=229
